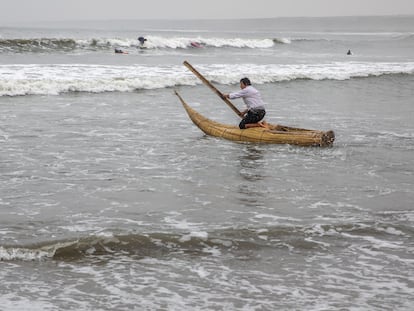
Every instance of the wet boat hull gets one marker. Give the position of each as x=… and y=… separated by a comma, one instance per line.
x=272, y=134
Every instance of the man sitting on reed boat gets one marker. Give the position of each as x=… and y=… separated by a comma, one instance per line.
x=255, y=111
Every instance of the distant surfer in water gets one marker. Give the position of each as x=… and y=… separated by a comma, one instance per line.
x=255, y=111
x=119, y=51
x=142, y=41
x=349, y=52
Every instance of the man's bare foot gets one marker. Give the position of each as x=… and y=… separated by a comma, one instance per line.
x=264, y=124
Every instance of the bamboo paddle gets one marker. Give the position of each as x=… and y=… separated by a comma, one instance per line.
x=211, y=86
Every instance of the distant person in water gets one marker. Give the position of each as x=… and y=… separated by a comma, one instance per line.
x=118, y=51
x=255, y=111
x=349, y=52
x=142, y=40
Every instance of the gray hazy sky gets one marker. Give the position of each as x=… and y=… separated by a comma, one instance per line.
x=15, y=11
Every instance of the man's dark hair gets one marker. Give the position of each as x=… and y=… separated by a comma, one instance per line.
x=245, y=81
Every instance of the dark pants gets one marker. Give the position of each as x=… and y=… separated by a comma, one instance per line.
x=252, y=116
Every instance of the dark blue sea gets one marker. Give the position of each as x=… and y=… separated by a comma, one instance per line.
x=111, y=199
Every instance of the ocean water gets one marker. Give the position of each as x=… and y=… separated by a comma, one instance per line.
x=111, y=199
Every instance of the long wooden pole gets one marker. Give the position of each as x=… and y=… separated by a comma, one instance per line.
x=211, y=86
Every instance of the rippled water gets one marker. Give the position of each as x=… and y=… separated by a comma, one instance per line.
x=116, y=201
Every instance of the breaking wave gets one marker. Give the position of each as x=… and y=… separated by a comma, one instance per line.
x=49, y=45
x=38, y=79
x=39, y=45
x=320, y=237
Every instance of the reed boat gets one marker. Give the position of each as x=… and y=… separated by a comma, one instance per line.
x=272, y=134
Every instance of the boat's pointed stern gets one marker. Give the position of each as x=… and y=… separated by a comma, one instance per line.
x=328, y=138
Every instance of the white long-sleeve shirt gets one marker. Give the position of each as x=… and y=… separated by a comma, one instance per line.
x=251, y=97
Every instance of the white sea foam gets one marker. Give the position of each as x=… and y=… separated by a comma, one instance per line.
x=18, y=80
x=23, y=254
x=159, y=42
x=200, y=270
x=202, y=235
x=152, y=42
x=32, y=254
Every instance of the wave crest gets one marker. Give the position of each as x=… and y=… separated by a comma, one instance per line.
x=38, y=45
x=318, y=237
x=19, y=80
